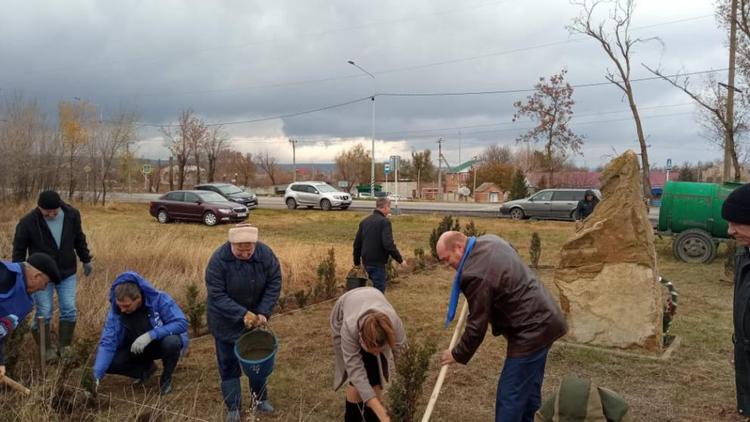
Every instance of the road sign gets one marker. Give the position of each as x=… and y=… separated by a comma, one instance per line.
x=396, y=162
x=343, y=184
x=387, y=168
x=669, y=164
x=86, y=168
x=147, y=169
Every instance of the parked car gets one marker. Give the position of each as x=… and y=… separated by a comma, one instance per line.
x=548, y=203
x=315, y=194
x=197, y=205
x=231, y=193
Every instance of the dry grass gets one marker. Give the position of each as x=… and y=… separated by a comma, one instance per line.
x=695, y=385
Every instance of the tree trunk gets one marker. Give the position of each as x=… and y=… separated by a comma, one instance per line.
x=171, y=174
x=71, y=183
x=197, y=168
x=645, y=168
x=211, y=168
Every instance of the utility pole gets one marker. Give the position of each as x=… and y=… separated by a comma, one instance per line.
x=440, y=168
x=729, y=132
x=459, y=148
x=294, y=157
x=474, y=170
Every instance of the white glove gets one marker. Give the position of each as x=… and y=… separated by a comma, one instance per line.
x=140, y=343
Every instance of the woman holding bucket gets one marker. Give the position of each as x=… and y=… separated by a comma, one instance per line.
x=243, y=280
x=367, y=333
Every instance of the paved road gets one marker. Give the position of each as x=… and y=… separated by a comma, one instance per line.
x=467, y=209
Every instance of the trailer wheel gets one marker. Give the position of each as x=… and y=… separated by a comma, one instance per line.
x=694, y=246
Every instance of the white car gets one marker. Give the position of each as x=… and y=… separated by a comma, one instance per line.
x=315, y=194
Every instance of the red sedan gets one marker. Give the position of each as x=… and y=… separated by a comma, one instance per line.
x=195, y=205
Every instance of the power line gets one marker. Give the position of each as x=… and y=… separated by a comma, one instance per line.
x=519, y=91
x=280, y=116
x=429, y=94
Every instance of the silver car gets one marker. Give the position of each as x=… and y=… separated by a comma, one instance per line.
x=548, y=203
x=315, y=194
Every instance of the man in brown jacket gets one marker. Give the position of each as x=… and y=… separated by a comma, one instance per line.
x=503, y=291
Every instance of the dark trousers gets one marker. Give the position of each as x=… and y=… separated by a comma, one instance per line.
x=136, y=366
x=360, y=412
x=519, y=390
x=377, y=275
x=229, y=369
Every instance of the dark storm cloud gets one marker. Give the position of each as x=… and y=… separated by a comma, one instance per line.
x=235, y=61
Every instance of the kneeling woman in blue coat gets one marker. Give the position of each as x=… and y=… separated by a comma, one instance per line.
x=143, y=324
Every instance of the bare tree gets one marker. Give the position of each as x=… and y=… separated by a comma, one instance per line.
x=269, y=165
x=216, y=142
x=118, y=134
x=617, y=44
x=714, y=117
x=31, y=150
x=551, y=106
x=182, y=140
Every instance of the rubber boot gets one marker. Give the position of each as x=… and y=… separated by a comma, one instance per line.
x=50, y=354
x=65, y=336
x=231, y=391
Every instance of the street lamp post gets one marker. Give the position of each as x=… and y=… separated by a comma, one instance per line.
x=372, y=126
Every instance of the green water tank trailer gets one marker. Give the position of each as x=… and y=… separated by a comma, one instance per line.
x=691, y=213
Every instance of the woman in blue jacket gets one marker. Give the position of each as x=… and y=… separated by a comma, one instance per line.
x=143, y=324
x=243, y=281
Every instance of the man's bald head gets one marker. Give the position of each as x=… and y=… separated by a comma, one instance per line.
x=450, y=247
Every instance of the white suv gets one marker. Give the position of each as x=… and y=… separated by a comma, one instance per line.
x=315, y=194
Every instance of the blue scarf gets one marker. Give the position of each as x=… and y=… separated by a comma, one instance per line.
x=456, y=289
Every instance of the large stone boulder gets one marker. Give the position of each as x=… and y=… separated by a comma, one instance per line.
x=607, y=276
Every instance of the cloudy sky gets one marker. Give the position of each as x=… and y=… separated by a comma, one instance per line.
x=261, y=62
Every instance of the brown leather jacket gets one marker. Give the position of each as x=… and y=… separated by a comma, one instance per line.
x=503, y=291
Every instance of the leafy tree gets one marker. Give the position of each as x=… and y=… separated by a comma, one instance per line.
x=353, y=166
x=551, y=106
x=422, y=167
x=447, y=224
x=518, y=187
x=687, y=173
x=77, y=124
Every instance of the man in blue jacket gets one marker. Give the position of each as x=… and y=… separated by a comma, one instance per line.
x=243, y=281
x=18, y=281
x=143, y=324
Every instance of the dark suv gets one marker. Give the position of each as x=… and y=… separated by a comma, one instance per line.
x=196, y=205
x=231, y=193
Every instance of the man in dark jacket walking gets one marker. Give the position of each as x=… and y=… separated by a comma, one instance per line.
x=54, y=228
x=373, y=243
x=143, y=324
x=503, y=292
x=736, y=210
x=586, y=205
x=243, y=281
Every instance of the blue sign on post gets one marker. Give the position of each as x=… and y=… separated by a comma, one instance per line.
x=387, y=168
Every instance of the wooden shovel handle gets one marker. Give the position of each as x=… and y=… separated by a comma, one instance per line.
x=15, y=385
x=444, y=369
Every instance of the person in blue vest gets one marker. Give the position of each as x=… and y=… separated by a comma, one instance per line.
x=18, y=280
x=243, y=282
x=143, y=325
x=54, y=228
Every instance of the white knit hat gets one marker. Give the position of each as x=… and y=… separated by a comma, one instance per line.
x=243, y=233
